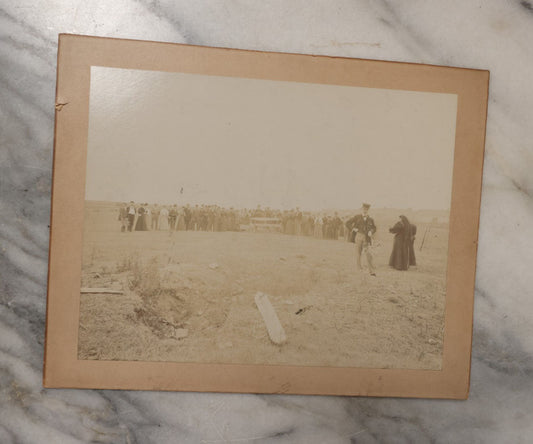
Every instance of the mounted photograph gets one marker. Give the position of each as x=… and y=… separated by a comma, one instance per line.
x=244, y=221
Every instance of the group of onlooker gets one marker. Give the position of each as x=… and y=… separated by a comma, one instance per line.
x=145, y=217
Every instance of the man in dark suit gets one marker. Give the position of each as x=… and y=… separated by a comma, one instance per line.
x=363, y=227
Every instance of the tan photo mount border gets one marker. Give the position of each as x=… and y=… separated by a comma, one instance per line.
x=62, y=369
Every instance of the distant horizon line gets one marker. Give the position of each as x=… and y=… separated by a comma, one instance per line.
x=263, y=207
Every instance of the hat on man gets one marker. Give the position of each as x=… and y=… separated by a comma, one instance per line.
x=366, y=205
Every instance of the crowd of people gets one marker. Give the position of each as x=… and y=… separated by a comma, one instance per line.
x=359, y=229
x=145, y=217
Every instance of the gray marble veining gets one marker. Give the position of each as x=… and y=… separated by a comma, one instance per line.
x=479, y=34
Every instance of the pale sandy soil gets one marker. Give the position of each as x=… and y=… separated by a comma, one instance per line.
x=175, y=307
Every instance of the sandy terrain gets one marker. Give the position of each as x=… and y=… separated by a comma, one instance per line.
x=189, y=297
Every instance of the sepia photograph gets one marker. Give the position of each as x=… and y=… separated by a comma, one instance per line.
x=239, y=220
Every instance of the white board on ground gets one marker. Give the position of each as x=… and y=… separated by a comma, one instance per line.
x=274, y=328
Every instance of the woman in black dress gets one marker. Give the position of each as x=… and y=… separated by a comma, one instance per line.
x=403, y=253
x=141, y=224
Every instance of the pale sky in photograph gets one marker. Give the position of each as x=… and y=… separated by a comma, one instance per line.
x=187, y=138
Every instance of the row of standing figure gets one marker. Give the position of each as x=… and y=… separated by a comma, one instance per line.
x=320, y=226
x=146, y=217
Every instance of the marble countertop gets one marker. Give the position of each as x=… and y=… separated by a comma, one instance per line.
x=490, y=35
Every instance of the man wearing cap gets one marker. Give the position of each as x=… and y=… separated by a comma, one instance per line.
x=364, y=228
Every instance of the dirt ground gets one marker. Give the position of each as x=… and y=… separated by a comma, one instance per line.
x=189, y=297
